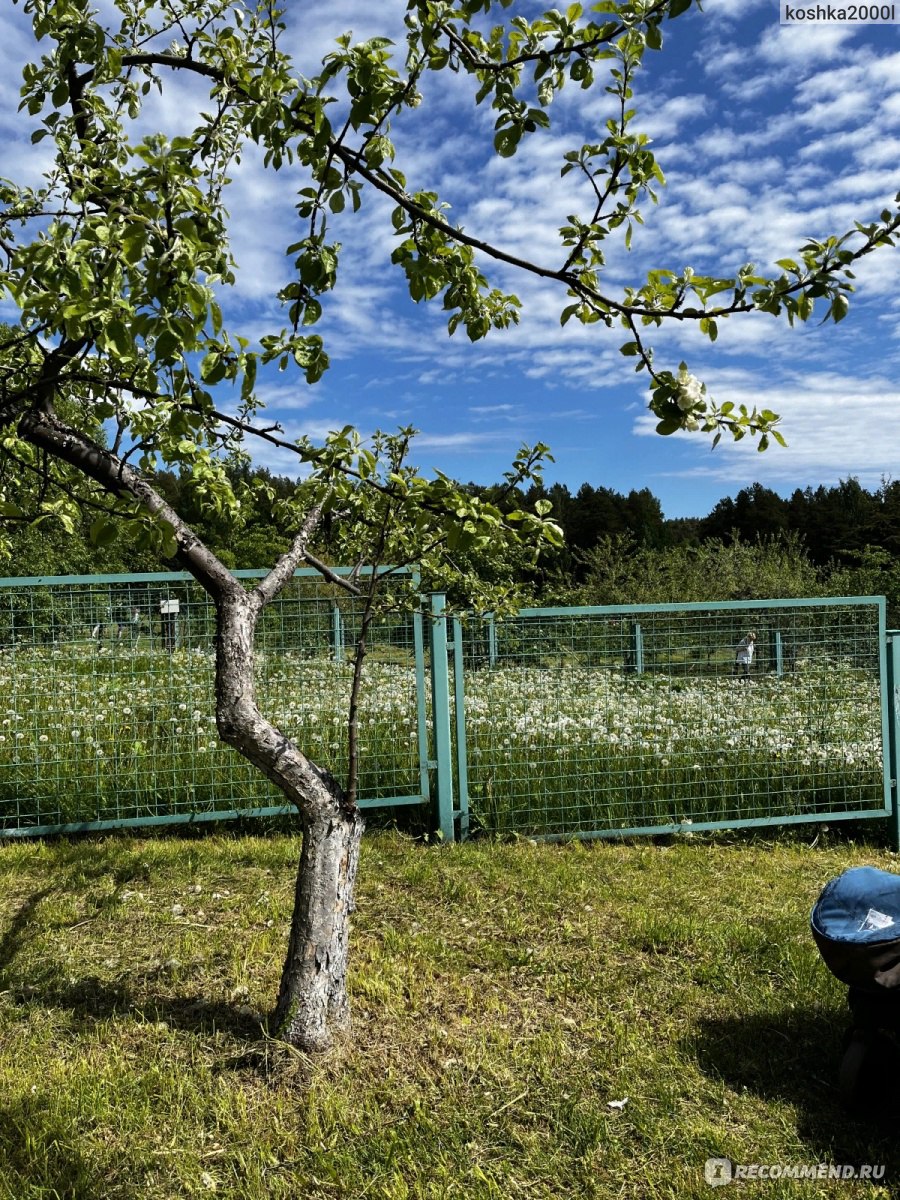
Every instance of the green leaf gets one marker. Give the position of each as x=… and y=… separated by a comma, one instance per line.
x=506, y=141
x=103, y=532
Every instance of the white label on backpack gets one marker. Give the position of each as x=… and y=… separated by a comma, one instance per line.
x=875, y=920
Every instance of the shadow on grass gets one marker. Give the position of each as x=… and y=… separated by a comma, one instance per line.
x=37, y=1156
x=17, y=932
x=794, y=1055
x=92, y=999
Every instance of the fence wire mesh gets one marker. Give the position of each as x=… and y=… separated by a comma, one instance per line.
x=596, y=721
x=107, y=700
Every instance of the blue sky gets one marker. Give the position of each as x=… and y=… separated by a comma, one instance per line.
x=767, y=134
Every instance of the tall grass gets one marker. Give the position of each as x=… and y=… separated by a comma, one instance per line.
x=91, y=733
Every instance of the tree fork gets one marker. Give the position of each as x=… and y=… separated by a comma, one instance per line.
x=312, y=1003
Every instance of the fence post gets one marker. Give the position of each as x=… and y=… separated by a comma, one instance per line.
x=779, y=654
x=638, y=649
x=893, y=747
x=492, y=639
x=440, y=716
x=459, y=706
x=337, y=633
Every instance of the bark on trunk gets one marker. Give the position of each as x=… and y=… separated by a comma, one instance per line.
x=312, y=1001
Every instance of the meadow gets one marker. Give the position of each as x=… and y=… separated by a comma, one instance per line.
x=91, y=732
x=589, y=1020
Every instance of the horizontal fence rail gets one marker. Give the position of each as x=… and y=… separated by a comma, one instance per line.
x=107, y=714
x=625, y=720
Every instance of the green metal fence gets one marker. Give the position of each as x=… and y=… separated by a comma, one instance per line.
x=107, y=701
x=575, y=722
x=630, y=720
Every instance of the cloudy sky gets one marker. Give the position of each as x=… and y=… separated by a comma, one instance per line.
x=768, y=134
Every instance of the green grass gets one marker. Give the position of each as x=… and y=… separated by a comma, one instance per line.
x=503, y=996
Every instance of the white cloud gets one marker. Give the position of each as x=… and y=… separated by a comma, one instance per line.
x=804, y=45
x=832, y=114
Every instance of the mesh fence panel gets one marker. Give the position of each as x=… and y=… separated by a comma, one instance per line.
x=597, y=721
x=107, y=700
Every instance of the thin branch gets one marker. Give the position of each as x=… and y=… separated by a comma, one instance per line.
x=28, y=336
x=559, y=50
x=151, y=59
x=43, y=475
x=611, y=183
x=284, y=568
x=355, y=163
x=359, y=659
x=341, y=581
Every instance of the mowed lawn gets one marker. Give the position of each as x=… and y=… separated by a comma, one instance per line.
x=584, y=1020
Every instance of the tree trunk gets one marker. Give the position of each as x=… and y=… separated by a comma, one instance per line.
x=312, y=1000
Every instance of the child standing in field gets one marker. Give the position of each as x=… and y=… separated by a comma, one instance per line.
x=744, y=655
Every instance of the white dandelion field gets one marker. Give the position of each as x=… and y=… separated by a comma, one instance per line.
x=123, y=732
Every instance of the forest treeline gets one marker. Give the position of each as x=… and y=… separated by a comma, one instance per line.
x=619, y=548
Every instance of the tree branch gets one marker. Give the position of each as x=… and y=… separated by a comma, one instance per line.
x=326, y=572
x=284, y=568
x=45, y=431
